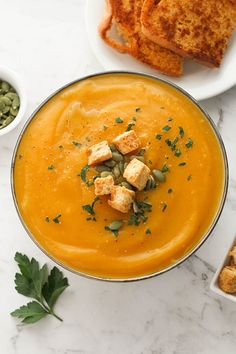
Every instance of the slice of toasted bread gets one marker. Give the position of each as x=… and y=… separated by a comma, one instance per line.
x=126, y=16
x=199, y=29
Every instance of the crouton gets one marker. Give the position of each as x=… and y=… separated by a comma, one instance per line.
x=227, y=280
x=103, y=185
x=121, y=198
x=99, y=152
x=137, y=173
x=127, y=142
x=232, y=253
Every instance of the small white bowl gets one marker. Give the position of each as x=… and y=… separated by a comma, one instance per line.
x=12, y=78
x=214, y=283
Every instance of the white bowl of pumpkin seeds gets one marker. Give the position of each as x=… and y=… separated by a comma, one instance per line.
x=12, y=100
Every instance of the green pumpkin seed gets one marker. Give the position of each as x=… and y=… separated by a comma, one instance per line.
x=5, y=86
x=16, y=103
x=106, y=174
x=159, y=175
x=117, y=157
x=116, y=171
x=115, y=225
x=6, y=100
x=110, y=163
x=6, y=109
x=11, y=95
x=13, y=111
x=113, y=148
x=121, y=166
x=126, y=185
x=2, y=103
x=101, y=168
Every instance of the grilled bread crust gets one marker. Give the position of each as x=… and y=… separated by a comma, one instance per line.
x=125, y=14
x=198, y=29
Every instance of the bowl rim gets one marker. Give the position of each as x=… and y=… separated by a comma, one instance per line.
x=214, y=221
x=15, y=81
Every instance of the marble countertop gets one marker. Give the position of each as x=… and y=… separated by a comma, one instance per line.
x=45, y=42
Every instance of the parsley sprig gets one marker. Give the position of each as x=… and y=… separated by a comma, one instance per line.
x=34, y=282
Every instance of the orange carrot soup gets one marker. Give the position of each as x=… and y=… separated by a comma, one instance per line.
x=119, y=176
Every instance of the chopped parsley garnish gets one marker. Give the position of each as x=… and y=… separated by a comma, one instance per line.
x=165, y=168
x=189, y=144
x=189, y=177
x=130, y=126
x=141, y=152
x=138, y=109
x=92, y=219
x=170, y=190
x=170, y=119
x=164, y=207
x=140, y=208
x=47, y=219
x=178, y=152
x=174, y=142
x=168, y=142
x=148, y=232
x=51, y=167
x=57, y=219
x=90, y=208
x=119, y=120
x=158, y=136
x=166, y=128
x=134, y=119
x=77, y=144
x=83, y=172
x=90, y=183
x=181, y=132
x=182, y=163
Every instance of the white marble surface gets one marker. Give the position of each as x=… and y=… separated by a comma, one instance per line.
x=45, y=42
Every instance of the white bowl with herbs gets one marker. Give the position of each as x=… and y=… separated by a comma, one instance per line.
x=12, y=100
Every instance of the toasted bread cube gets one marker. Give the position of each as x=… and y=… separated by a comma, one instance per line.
x=99, y=152
x=121, y=198
x=227, y=280
x=232, y=253
x=127, y=142
x=137, y=173
x=103, y=185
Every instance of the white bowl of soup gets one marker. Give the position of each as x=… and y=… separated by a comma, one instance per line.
x=53, y=185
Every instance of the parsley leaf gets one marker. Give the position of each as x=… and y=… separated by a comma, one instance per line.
x=178, y=152
x=130, y=126
x=181, y=132
x=165, y=168
x=34, y=282
x=51, y=167
x=138, y=109
x=83, y=173
x=148, y=232
x=78, y=145
x=90, y=208
x=158, y=136
x=166, y=128
x=56, y=219
x=30, y=313
x=182, y=163
x=54, y=287
x=189, y=144
x=119, y=120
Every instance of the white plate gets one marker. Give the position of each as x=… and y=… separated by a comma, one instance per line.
x=214, y=283
x=200, y=81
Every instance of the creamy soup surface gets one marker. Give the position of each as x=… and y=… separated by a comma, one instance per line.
x=50, y=192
